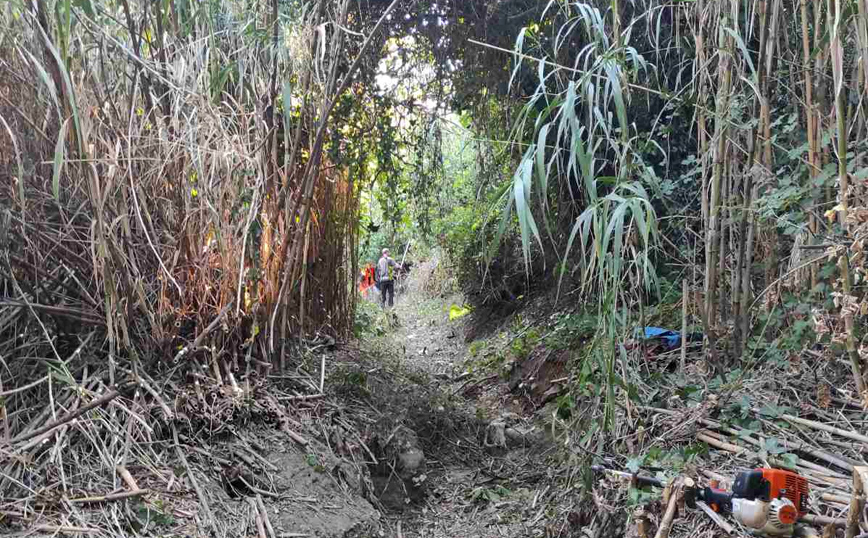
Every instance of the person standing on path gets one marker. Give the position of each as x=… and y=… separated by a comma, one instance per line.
x=386, y=278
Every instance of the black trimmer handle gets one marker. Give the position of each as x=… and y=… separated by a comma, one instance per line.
x=636, y=479
x=718, y=499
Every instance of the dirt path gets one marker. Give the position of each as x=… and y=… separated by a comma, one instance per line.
x=472, y=489
x=433, y=343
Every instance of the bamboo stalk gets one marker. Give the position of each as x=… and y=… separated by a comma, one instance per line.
x=826, y=428
x=99, y=402
x=257, y=517
x=819, y=454
x=837, y=54
x=111, y=497
x=312, y=167
x=264, y=513
x=725, y=43
x=814, y=519
x=303, y=300
x=857, y=502
x=717, y=441
x=676, y=494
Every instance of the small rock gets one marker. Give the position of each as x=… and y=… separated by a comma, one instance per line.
x=514, y=437
x=410, y=462
x=495, y=436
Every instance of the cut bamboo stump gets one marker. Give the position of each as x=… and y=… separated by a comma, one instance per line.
x=857, y=501
x=127, y=478
x=673, y=495
x=643, y=526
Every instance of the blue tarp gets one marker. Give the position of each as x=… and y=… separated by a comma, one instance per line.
x=671, y=339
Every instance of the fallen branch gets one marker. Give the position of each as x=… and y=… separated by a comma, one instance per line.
x=839, y=499
x=265, y=518
x=66, y=529
x=300, y=398
x=260, y=526
x=294, y=436
x=111, y=497
x=76, y=314
x=813, y=519
x=284, y=424
x=826, y=428
x=109, y=396
x=258, y=491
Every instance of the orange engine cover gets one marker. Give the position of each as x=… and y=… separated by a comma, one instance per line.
x=789, y=485
x=769, y=484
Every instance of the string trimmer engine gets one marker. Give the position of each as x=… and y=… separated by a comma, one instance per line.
x=768, y=501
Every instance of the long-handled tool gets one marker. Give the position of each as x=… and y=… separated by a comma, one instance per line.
x=635, y=478
x=767, y=501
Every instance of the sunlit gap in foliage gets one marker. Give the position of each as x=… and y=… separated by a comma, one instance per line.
x=412, y=96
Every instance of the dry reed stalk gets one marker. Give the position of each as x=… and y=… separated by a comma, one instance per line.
x=264, y=513
x=257, y=517
x=203, y=500
x=99, y=402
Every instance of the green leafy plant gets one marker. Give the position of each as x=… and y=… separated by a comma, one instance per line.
x=488, y=495
x=617, y=231
x=313, y=461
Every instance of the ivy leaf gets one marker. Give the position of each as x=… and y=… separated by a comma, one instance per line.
x=86, y=6
x=772, y=411
x=790, y=460
x=744, y=435
x=633, y=464
x=772, y=446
